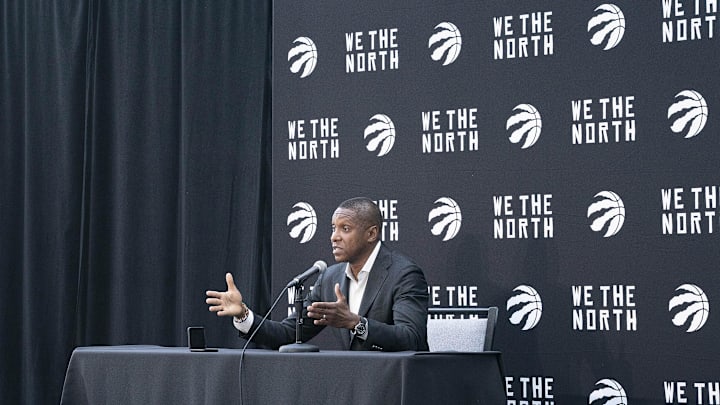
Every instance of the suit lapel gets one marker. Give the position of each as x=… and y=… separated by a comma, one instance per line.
x=345, y=288
x=376, y=279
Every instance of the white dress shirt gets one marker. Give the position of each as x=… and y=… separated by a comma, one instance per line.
x=356, y=288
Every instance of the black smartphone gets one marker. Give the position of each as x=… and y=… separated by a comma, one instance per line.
x=196, y=340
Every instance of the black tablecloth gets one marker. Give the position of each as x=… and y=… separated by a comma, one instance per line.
x=165, y=375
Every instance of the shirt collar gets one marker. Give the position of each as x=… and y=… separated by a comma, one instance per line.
x=369, y=263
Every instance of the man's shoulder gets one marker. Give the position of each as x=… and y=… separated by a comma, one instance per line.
x=399, y=260
x=396, y=254
x=335, y=269
x=337, y=266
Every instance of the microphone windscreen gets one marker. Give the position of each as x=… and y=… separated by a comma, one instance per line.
x=321, y=265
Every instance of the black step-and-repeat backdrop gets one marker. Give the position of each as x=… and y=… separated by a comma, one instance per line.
x=557, y=159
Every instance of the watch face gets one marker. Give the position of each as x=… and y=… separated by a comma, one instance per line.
x=360, y=327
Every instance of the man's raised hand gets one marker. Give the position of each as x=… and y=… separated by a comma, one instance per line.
x=227, y=303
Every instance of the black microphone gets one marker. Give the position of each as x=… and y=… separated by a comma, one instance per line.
x=319, y=266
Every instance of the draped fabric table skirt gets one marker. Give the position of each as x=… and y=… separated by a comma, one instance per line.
x=173, y=375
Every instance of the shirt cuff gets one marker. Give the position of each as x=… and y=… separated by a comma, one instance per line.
x=244, y=326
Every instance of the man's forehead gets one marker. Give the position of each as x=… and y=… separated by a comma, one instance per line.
x=346, y=215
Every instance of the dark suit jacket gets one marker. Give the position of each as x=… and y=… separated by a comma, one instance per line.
x=395, y=304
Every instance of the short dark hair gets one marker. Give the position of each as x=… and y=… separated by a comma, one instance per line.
x=365, y=209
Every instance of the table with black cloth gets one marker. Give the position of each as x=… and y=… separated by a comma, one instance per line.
x=174, y=375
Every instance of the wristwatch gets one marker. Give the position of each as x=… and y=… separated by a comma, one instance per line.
x=360, y=329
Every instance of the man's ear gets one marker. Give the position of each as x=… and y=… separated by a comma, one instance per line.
x=373, y=233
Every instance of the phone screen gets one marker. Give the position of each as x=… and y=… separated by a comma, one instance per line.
x=196, y=337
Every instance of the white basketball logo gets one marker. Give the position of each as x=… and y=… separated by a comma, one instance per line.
x=608, y=392
x=689, y=113
x=691, y=306
x=445, y=43
x=526, y=124
x=607, y=26
x=607, y=212
x=302, y=56
x=446, y=218
x=526, y=307
x=302, y=222
x=380, y=134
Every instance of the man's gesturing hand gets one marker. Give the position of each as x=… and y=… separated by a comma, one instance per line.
x=336, y=314
x=228, y=303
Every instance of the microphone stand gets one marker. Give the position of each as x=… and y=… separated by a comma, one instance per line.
x=298, y=346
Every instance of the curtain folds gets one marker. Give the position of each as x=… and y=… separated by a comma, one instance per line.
x=135, y=172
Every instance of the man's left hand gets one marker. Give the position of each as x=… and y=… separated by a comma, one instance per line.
x=336, y=314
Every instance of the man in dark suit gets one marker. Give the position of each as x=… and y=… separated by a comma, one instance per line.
x=373, y=298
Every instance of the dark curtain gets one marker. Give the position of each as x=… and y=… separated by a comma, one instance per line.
x=135, y=172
